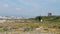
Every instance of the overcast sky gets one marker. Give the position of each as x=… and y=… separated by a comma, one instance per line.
x=29, y=8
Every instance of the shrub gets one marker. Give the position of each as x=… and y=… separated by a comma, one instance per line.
x=5, y=29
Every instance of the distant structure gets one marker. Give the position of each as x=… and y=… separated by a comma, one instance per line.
x=49, y=14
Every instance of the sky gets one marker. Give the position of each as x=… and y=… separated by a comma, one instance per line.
x=29, y=8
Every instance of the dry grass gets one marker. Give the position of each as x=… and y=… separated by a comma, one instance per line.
x=34, y=25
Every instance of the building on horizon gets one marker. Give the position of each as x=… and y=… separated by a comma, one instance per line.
x=49, y=14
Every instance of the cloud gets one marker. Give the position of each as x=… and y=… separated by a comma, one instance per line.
x=18, y=9
x=5, y=5
x=29, y=3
